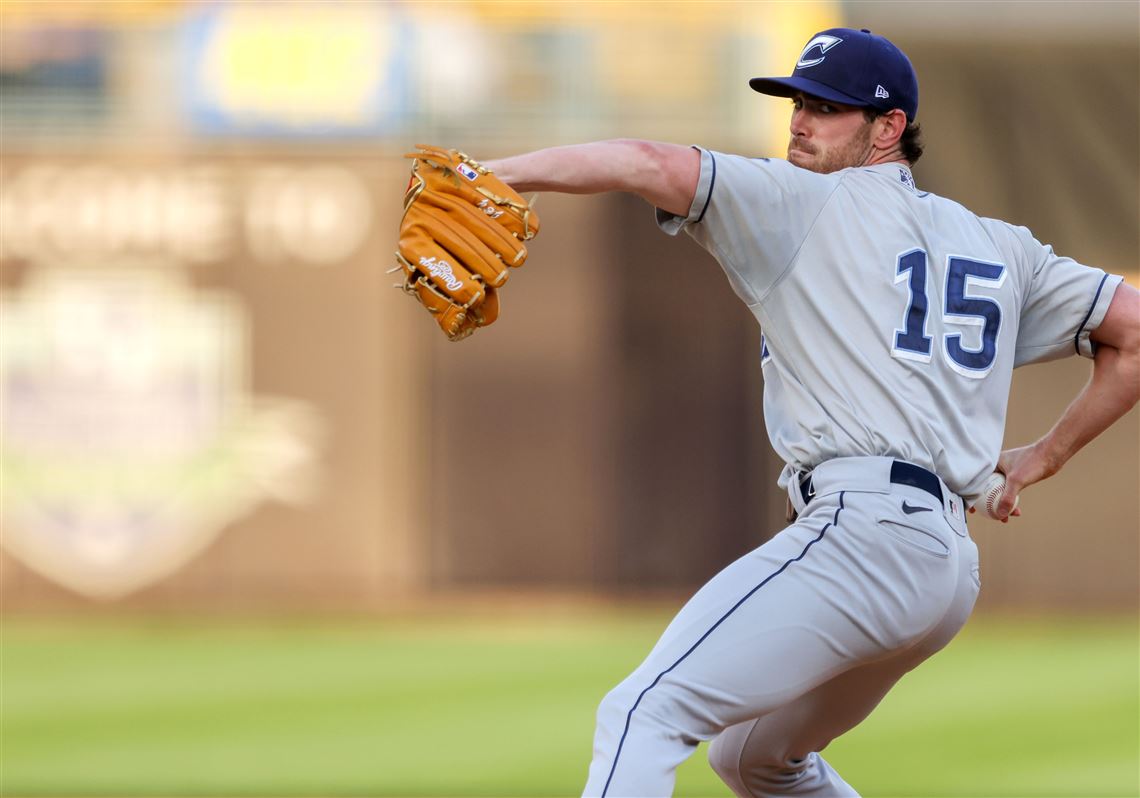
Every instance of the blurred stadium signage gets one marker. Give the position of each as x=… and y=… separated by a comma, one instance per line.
x=294, y=69
x=197, y=213
x=130, y=438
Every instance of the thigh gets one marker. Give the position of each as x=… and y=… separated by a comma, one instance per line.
x=807, y=724
x=819, y=599
x=810, y=722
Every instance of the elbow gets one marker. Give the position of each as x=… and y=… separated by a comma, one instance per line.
x=1117, y=371
x=1121, y=360
x=1128, y=336
x=643, y=160
x=1131, y=357
x=1129, y=345
x=1120, y=328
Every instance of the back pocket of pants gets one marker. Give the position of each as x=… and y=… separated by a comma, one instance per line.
x=915, y=536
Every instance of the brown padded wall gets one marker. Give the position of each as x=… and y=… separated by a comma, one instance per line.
x=607, y=433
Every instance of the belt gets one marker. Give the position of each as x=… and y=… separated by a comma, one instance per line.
x=902, y=473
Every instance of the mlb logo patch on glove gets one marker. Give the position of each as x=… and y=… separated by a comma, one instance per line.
x=462, y=231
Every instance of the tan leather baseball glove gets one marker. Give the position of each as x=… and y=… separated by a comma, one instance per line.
x=462, y=231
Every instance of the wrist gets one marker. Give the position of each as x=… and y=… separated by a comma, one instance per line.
x=1049, y=455
x=500, y=169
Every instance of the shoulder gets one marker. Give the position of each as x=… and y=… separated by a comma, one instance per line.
x=1016, y=238
x=1013, y=232
x=952, y=212
x=773, y=170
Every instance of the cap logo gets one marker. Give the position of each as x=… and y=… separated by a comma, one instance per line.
x=881, y=92
x=823, y=42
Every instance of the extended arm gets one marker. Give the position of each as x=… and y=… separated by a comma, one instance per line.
x=664, y=175
x=1112, y=391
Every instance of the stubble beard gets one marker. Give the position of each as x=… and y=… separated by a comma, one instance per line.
x=854, y=152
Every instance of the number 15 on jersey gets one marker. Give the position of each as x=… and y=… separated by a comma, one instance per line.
x=960, y=309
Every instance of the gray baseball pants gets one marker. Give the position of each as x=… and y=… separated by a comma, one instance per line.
x=796, y=642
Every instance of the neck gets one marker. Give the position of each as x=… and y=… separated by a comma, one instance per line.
x=893, y=155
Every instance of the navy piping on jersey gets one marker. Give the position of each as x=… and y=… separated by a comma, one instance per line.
x=629, y=717
x=712, y=182
x=1077, y=337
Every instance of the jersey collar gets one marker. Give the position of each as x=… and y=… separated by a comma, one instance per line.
x=900, y=173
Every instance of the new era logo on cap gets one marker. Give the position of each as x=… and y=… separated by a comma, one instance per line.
x=853, y=67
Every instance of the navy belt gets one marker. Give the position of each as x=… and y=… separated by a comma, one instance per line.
x=902, y=473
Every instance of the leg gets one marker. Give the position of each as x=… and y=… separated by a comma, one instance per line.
x=825, y=595
x=777, y=754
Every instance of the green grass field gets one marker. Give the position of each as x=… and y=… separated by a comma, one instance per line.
x=471, y=706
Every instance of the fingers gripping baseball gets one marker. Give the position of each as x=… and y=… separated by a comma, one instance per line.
x=1006, y=504
x=1017, y=469
x=996, y=497
x=462, y=231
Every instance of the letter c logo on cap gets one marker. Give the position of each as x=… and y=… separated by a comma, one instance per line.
x=823, y=43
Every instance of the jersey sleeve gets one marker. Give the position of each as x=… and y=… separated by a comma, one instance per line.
x=752, y=215
x=1064, y=303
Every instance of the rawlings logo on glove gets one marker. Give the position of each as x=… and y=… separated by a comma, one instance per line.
x=462, y=230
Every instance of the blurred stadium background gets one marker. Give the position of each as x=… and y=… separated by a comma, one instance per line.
x=265, y=533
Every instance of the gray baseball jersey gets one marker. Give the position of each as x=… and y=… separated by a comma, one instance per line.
x=893, y=318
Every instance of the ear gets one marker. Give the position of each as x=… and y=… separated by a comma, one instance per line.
x=888, y=129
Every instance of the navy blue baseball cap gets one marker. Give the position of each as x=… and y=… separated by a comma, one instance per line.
x=853, y=67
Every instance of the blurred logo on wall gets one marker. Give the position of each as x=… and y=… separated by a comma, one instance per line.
x=130, y=437
x=294, y=69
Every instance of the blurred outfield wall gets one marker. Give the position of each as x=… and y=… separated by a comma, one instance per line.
x=213, y=398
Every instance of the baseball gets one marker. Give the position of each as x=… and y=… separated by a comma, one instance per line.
x=992, y=492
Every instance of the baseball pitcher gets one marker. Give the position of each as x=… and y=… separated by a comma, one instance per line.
x=893, y=320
